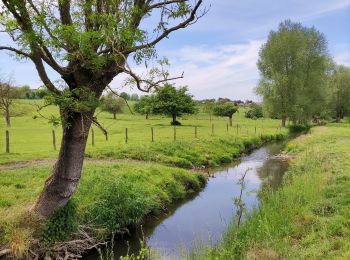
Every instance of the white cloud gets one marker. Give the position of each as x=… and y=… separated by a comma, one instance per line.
x=219, y=71
x=343, y=58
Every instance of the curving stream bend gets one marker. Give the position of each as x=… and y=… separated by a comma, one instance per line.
x=204, y=217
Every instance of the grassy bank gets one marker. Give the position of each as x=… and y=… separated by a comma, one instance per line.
x=309, y=216
x=110, y=197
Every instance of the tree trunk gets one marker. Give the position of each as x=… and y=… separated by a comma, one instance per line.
x=230, y=118
x=284, y=118
x=146, y=116
x=114, y=116
x=338, y=118
x=174, y=119
x=8, y=118
x=65, y=177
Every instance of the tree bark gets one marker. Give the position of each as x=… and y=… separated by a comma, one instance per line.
x=338, y=118
x=230, y=119
x=284, y=118
x=114, y=116
x=8, y=118
x=174, y=119
x=146, y=116
x=66, y=173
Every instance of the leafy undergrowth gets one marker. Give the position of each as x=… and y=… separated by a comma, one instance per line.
x=190, y=154
x=110, y=197
x=309, y=217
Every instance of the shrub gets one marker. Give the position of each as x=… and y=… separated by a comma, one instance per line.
x=298, y=129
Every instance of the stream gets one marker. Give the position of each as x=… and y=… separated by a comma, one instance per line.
x=203, y=218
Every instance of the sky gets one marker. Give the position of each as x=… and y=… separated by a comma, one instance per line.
x=218, y=54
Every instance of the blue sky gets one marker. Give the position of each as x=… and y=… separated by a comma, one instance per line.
x=218, y=54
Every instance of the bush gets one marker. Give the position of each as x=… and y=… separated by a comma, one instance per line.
x=255, y=111
x=298, y=129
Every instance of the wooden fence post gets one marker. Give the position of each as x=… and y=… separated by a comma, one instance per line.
x=152, y=134
x=92, y=137
x=195, y=131
x=126, y=135
x=54, y=140
x=237, y=129
x=7, y=141
x=174, y=133
x=227, y=127
x=255, y=130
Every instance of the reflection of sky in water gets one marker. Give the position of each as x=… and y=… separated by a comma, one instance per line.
x=206, y=217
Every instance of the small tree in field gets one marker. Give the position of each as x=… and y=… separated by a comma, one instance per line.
x=208, y=107
x=7, y=94
x=225, y=109
x=144, y=106
x=88, y=44
x=112, y=104
x=173, y=102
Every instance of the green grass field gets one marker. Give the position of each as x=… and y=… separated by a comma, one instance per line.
x=31, y=139
x=308, y=218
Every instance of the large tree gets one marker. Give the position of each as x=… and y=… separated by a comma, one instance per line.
x=339, y=102
x=87, y=43
x=174, y=102
x=293, y=66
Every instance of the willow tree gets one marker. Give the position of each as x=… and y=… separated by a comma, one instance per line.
x=87, y=43
x=293, y=65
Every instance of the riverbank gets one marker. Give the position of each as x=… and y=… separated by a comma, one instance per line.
x=309, y=216
x=111, y=197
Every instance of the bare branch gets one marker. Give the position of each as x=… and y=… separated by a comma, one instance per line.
x=18, y=52
x=126, y=102
x=193, y=17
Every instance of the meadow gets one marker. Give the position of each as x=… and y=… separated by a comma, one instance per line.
x=308, y=218
x=31, y=139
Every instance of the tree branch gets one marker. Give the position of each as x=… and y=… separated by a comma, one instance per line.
x=18, y=52
x=166, y=32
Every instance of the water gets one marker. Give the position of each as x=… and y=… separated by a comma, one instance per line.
x=204, y=217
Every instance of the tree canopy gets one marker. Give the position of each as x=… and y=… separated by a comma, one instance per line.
x=339, y=101
x=173, y=102
x=293, y=65
x=112, y=104
x=225, y=109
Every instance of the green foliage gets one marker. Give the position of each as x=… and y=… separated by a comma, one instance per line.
x=62, y=224
x=255, y=111
x=225, y=109
x=297, y=129
x=293, y=64
x=145, y=105
x=339, y=101
x=173, y=102
x=112, y=104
